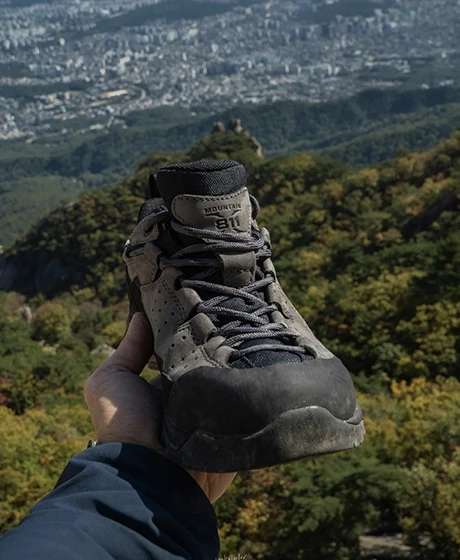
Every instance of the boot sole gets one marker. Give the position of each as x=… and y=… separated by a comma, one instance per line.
x=293, y=435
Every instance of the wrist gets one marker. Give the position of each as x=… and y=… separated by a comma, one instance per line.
x=142, y=441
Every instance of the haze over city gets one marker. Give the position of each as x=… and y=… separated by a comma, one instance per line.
x=101, y=60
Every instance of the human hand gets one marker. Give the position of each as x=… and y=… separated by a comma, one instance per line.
x=125, y=408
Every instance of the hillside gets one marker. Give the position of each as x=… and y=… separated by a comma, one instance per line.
x=324, y=13
x=171, y=10
x=330, y=225
x=372, y=260
x=368, y=128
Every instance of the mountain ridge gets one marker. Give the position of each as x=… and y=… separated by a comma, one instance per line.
x=362, y=130
x=84, y=239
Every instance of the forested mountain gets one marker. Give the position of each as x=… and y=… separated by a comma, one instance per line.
x=371, y=258
x=368, y=128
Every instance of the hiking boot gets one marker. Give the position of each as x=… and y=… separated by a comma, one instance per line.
x=246, y=384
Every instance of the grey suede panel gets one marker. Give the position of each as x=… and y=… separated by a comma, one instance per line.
x=146, y=230
x=270, y=267
x=202, y=327
x=164, y=311
x=266, y=236
x=183, y=354
x=238, y=269
x=230, y=213
x=277, y=317
x=143, y=263
x=188, y=299
x=187, y=352
x=293, y=320
x=182, y=345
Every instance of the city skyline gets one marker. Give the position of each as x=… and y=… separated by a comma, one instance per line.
x=70, y=61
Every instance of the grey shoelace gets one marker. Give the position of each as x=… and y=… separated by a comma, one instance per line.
x=242, y=326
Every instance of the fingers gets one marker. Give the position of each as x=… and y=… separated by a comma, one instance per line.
x=136, y=348
x=131, y=356
x=212, y=484
x=156, y=382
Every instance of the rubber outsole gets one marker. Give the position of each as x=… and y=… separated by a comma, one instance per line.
x=293, y=435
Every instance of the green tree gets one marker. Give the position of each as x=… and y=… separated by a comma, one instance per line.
x=51, y=321
x=22, y=393
x=35, y=448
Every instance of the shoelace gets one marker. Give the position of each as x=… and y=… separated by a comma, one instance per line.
x=241, y=326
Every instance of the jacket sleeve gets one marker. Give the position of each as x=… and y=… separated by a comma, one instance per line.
x=117, y=502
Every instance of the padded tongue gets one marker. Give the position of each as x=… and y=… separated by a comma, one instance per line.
x=207, y=195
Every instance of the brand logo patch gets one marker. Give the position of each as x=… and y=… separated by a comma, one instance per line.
x=227, y=216
x=213, y=210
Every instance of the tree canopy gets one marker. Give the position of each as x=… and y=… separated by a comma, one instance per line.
x=370, y=257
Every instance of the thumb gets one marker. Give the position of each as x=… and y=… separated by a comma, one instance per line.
x=136, y=349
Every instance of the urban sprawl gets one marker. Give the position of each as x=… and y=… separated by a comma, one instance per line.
x=58, y=63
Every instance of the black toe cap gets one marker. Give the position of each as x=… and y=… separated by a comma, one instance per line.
x=243, y=401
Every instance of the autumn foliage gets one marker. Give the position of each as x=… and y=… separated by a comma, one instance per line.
x=371, y=258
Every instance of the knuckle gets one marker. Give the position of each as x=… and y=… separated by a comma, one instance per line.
x=93, y=383
x=88, y=388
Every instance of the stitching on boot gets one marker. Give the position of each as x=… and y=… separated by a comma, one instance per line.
x=198, y=198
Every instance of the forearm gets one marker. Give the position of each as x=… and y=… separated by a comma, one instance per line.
x=118, y=501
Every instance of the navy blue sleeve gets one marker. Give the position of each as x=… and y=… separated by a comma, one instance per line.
x=118, y=502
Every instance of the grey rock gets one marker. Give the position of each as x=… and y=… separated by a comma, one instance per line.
x=25, y=312
x=218, y=127
x=104, y=351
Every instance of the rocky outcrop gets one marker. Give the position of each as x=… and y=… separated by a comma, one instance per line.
x=218, y=127
x=25, y=313
x=235, y=127
x=8, y=273
x=103, y=351
x=422, y=222
x=39, y=273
